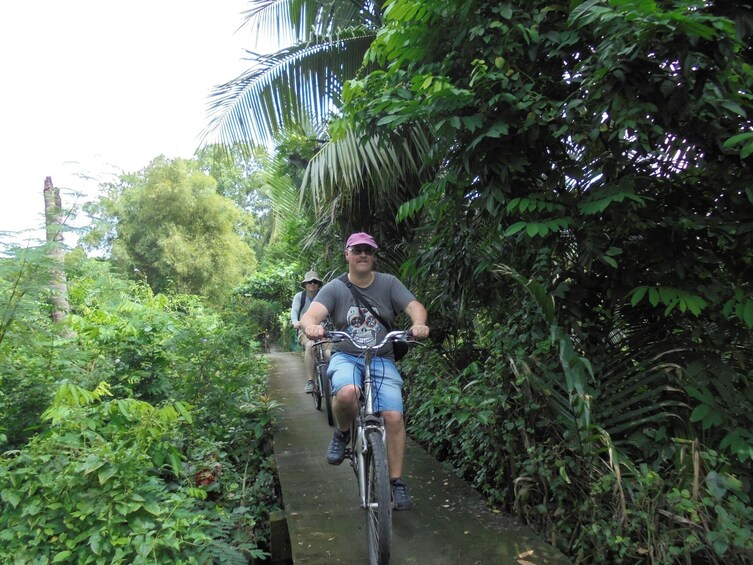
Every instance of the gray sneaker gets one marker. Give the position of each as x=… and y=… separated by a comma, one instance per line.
x=336, y=449
x=309, y=387
x=400, y=497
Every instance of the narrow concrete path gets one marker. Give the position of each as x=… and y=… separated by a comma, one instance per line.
x=449, y=525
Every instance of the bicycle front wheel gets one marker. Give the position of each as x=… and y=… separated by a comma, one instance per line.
x=378, y=501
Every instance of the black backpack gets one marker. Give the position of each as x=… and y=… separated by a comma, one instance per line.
x=399, y=348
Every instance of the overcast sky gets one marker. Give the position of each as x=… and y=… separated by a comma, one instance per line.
x=98, y=87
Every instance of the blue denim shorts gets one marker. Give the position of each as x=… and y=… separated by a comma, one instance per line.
x=345, y=369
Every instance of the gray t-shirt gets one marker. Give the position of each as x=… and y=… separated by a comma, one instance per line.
x=295, y=315
x=387, y=296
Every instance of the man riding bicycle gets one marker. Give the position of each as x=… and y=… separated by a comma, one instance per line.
x=311, y=284
x=362, y=311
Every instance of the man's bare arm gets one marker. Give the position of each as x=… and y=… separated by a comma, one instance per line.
x=312, y=319
x=417, y=314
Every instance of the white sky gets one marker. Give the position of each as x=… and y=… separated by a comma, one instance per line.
x=98, y=87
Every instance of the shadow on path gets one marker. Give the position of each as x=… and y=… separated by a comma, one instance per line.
x=450, y=525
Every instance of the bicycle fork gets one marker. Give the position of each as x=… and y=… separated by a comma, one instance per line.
x=364, y=426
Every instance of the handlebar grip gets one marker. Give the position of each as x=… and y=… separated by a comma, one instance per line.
x=333, y=336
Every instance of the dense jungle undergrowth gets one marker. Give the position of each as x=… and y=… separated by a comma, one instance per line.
x=567, y=186
x=636, y=468
x=141, y=438
x=145, y=436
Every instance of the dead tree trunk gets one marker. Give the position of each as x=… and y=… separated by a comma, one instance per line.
x=53, y=211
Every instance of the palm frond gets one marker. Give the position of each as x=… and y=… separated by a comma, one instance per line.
x=385, y=166
x=359, y=183
x=280, y=89
x=286, y=22
x=294, y=22
x=282, y=192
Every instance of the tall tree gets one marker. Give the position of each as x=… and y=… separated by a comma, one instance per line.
x=53, y=208
x=360, y=180
x=560, y=127
x=168, y=225
x=240, y=176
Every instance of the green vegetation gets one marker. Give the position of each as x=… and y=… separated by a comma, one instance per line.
x=168, y=223
x=567, y=187
x=142, y=439
x=584, y=238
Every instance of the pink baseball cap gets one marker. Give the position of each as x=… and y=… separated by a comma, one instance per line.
x=361, y=238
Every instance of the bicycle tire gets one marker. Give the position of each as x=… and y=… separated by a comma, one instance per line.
x=378, y=500
x=327, y=394
x=316, y=394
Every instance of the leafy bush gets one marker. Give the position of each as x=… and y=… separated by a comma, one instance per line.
x=273, y=283
x=94, y=487
x=173, y=467
x=504, y=428
x=260, y=317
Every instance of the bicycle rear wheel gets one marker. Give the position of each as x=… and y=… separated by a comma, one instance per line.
x=327, y=394
x=378, y=501
x=317, y=393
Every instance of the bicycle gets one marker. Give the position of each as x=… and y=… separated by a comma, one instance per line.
x=322, y=384
x=368, y=454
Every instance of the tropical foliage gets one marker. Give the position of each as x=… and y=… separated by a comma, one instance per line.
x=315, y=46
x=584, y=233
x=143, y=438
x=565, y=186
x=240, y=177
x=571, y=187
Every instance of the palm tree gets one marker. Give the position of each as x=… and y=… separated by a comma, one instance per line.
x=319, y=45
x=361, y=182
x=354, y=182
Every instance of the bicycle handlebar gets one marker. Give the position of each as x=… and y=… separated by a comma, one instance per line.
x=394, y=335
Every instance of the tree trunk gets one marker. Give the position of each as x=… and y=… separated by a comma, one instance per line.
x=53, y=209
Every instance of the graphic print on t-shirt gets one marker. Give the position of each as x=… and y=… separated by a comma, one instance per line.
x=363, y=326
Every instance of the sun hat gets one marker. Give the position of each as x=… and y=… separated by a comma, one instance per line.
x=311, y=276
x=361, y=238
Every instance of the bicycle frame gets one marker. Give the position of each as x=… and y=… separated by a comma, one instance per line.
x=368, y=454
x=366, y=420
x=320, y=363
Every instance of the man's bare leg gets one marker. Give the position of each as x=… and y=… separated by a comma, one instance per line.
x=345, y=406
x=395, y=425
